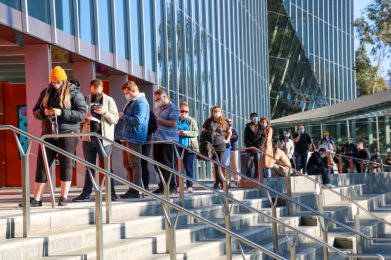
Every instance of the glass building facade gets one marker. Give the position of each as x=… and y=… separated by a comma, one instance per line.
x=203, y=52
x=311, y=54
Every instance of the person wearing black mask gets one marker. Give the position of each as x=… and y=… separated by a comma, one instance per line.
x=254, y=136
x=101, y=119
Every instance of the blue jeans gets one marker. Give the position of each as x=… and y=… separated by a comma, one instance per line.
x=301, y=160
x=91, y=150
x=188, y=163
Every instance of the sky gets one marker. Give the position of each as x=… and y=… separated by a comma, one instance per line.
x=359, y=6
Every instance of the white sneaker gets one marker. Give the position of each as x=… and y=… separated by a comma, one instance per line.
x=190, y=190
x=329, y=185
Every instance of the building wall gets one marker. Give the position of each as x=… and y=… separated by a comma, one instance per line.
x=325, y=29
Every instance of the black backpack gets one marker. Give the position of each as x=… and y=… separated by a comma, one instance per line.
x=152, y=123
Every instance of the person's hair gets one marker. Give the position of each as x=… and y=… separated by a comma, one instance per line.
x=360, y=143
x=322, y=150
x=183, y=104
x=253, y=114
x=130, y=85
x=222, y=121
x=96, y=83
x=264, y=119
x=65, y=96
x=160, y=92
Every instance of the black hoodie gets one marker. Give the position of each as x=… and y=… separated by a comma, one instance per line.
x=70, y=119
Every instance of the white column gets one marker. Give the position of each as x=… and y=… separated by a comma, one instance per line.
x=37, y=67
x=83, y=72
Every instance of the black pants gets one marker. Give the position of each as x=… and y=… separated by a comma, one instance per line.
x=66, y=143
x=218, y=169
x=165, y=154
x=146, y=150
x=321, y=170
x=91, y=150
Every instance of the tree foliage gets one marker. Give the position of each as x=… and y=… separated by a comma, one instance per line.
x=374, y=31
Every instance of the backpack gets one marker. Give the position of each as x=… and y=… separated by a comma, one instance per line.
x=206, y=147
x=152, y=123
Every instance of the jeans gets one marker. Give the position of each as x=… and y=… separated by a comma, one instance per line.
x=90, y=151
x=66, y=168
x=301, y=160
x=164, y=153
x=132, y=164
x=188, y=163
x=321, y=170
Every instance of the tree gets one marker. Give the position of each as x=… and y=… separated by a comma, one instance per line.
x=374, y=31
x=366, y=74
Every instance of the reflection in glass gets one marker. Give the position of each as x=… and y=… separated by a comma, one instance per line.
x=86, y=17
x=104, y=20
x=121, y=29
x=12, y=3
x=39, y=10
x=64, y=16
x=148, y=36
x=135, y=31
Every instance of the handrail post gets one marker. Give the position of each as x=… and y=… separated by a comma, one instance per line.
x=108, y=190
x=357, y=227
x=288, y=183
x=362, y=167
x=47, y=171
x=323, y=223
x=99, y=224
x=274, y=227
x=181, y=182
x=227, y=219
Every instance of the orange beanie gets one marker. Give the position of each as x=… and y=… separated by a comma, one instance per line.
x=58, y=73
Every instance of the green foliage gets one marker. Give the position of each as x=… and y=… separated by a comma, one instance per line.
x=374, y=31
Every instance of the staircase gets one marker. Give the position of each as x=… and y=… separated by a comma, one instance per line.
x=137, y=230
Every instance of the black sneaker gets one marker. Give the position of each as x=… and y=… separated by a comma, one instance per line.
x=130, y=194
x=62, y=201
x=114, y=197
x=173, y=190
x=216, y=186
x=158, y=191
x=33, y=203
x=81, y=198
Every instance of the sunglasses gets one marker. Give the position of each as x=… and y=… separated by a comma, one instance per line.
x=184, y=111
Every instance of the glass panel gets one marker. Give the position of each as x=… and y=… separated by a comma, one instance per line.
x=121, y=28
x=189, y=59
x=105, y=34
x=39, y=9
x=135, y=31
x=12, y=3
x=64, y=16
x=148, y=36
x=180, y=51
x=86, y=17
x=170, y=43
x=161, y=47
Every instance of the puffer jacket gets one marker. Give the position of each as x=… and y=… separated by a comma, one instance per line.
x=70, y=119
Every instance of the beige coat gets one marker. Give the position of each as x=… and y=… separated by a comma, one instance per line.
x=268, y=161
x=282, y=161
x=108, y=120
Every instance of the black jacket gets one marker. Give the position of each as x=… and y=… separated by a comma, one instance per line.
x=315, y=161
x=254, y=139
x=70, y=119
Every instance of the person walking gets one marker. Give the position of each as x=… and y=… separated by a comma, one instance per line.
x=167, y=130
x=61, y=107
x=188, y=133
x=101, y=119
x=134, y=134
x=216, y=131
x=302, y=143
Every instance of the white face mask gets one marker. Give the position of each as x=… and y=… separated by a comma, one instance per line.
x=322, y=155
x=159, y=103
x=264, y=124
x=217, y=115
x=128, y=97
x=57, y=86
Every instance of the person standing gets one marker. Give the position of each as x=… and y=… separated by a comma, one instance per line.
x=217, y=132
x=350, y=151
x=285, y=143
x=134, y=134
x=234, y=154
x=61, y=108
x=188, y=133
x=364, y=156
x=167, y=130
x=254, y=136
x=268, y=161
x=101, y=119
x=302, y=143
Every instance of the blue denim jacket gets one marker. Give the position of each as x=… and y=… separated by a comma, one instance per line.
x=133, y=127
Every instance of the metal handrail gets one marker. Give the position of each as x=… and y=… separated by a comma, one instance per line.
x=362, y=160
x=140, y=189
x=225, y=196
x=337, y=193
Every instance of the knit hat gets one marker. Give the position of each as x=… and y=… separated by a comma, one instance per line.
x=58, y=73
